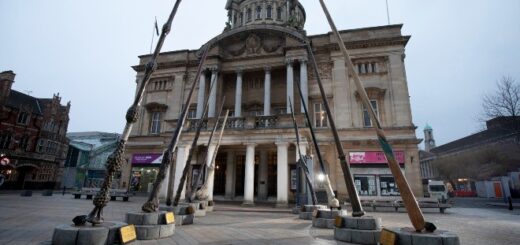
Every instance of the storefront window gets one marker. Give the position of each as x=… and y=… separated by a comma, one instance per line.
x=388, y=186
x=366, y=185
x=143, y=178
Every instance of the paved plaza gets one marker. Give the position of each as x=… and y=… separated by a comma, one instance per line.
x=31, y=220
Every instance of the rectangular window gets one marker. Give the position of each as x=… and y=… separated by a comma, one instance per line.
x=192, y=113
x=320, y=116
x=365, y=185
x=22, y=118
x=367, y=122
x=155, y=125
x=40, y=145
x=388, y=186
x=279, y=13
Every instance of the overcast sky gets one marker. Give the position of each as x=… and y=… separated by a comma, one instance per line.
x=84, y=49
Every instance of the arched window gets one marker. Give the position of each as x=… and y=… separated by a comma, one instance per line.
x=269, y=12
x=248, y=15
x=241, y=19
x=258, y=12
x=279, y=13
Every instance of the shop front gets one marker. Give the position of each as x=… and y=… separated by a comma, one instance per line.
x=145, y=167
x=372, y=176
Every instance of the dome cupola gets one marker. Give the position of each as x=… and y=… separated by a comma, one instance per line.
x=261, y=12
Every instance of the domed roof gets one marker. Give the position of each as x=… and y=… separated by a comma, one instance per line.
x=427, y=127
x=259, y=12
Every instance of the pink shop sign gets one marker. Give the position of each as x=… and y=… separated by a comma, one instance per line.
x=147, y=158
x=374, y=157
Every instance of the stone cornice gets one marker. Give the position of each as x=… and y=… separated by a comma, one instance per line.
x=380, y=42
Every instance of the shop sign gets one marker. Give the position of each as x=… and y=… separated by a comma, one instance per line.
x=147, y=158
x=374, y=157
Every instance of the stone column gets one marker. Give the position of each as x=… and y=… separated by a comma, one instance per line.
x=164, y=186
x=201, y=95
x=182, y=155
x=238, y=95
x=290, y=84
x=267, y=91
x=230, y=175
x=210, y=170
x=213, y=93
x=262, y=176
x=249, y=181
x=282, y=175
x=303, y=149
x=244, y=16
x=304, y=83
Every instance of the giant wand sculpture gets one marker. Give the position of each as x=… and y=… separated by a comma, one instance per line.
x=152, y=204
x=115, y=160
x=414, y=212
x=302, y=161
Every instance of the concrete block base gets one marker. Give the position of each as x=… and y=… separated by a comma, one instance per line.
x=360, y=223
x=305, y=215
x=150, y=226
x=408, y=236
x=154, y=232
x=323, y=223
x=106, y=233
x=296, y=210
x=368, y=237
x=183, y=214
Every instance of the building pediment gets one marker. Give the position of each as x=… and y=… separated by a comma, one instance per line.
x=251, y=44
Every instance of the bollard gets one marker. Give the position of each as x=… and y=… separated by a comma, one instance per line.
x=510, y=200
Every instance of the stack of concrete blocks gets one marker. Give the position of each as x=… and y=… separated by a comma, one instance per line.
x=151, y=226
x=408, y=236
x=325, y=218
x=306, y=211
x=103, y=234
x=210, y=206
x=358, y=230
x=200, y=207
x=184, y=214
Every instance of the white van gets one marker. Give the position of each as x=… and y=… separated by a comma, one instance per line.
x=438, y=190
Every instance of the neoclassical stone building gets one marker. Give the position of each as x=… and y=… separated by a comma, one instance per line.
x=257, y=61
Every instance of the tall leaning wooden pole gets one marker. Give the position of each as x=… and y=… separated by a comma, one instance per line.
x=414, y=212
x=115, y=160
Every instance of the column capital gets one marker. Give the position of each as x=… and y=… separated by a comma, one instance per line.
x=267, y=69
x=302, y=143
x=289, y=61
x=239, y=71
x=282, y=143
x=214, y=69
x=250, y=144
x=303, y=60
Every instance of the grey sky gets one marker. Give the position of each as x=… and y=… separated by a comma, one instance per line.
x=84, y=50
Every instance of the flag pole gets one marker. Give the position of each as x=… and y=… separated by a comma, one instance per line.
x=387, y=13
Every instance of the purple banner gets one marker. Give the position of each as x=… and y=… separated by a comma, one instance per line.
x=147, y=158
x=374, y=157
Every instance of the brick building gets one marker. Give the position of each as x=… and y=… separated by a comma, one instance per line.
x=32, y=136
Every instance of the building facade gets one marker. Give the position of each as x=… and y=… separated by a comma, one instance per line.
x=32, y=136
x=86, y=159
x=257, y=63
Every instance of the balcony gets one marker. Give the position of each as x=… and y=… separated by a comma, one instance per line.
x=249, y=122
